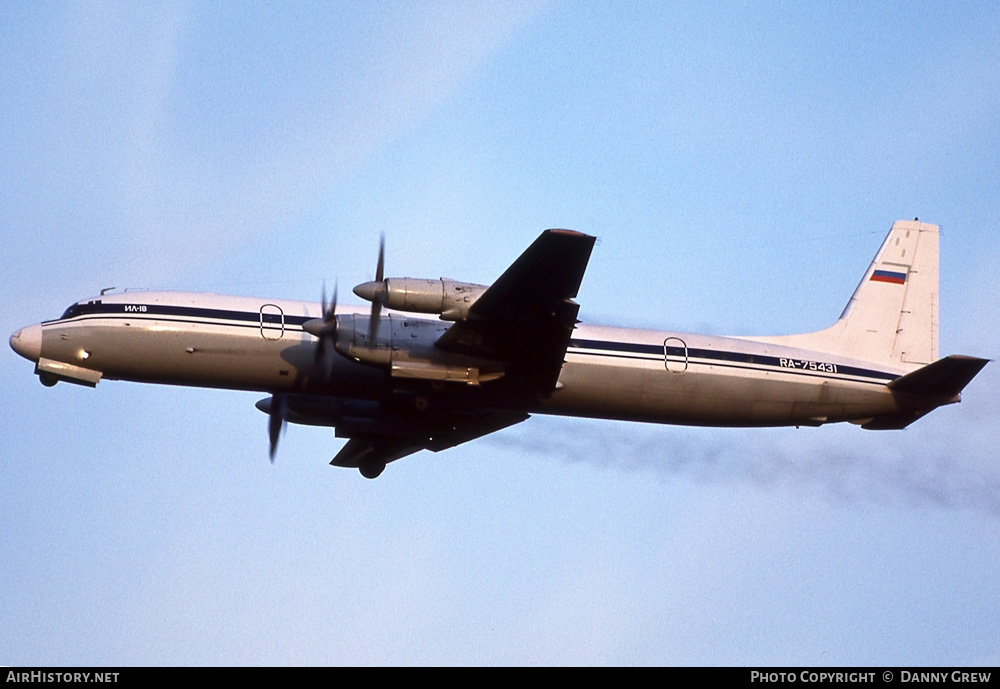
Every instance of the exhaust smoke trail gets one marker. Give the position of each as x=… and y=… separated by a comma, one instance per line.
x=938, y=463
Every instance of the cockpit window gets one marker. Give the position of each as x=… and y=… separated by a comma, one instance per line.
x=81, y=308
x=73, y=310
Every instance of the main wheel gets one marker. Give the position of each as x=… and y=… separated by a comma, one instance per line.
x=371, y=469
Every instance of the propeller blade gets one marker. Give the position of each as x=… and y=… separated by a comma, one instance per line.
x=380, y=297
x=330, y=311
x=373, y=322
x=324, y=329
x=320, y=347
x=276, y=422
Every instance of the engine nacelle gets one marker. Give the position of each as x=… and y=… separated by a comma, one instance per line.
x=405, y=347
x=446, y=297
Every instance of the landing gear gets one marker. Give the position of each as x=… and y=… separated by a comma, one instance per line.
x=47, y=379
x=371, y=469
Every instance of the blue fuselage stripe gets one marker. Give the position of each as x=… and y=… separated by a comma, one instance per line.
x=588, y=347
x=730, y=359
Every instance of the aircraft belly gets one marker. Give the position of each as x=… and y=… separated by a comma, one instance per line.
x=202, y=355
x=161, y=353
x=710, y=395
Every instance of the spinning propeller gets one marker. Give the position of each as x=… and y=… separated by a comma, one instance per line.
x=325, y=330
x=376, y=291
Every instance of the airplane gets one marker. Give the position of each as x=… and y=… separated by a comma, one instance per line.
x=455, y=361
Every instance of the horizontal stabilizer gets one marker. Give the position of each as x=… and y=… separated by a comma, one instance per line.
x=893, y=422
x=945, y=377
x=926, y=389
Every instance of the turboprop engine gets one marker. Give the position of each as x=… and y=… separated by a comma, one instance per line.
x=405, y=346
x=446, y=297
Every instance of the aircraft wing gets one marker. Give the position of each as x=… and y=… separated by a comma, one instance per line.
x=526, y=317
x=433, y=433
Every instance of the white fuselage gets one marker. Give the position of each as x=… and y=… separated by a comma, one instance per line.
x=644, y=375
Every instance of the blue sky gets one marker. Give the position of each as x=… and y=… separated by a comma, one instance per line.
x=740, y=164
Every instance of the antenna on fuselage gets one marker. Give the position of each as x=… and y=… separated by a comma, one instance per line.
x=106, y=290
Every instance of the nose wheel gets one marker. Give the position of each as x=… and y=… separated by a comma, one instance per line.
x=47, y=379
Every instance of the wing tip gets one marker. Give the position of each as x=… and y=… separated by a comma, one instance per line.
x=568, y=233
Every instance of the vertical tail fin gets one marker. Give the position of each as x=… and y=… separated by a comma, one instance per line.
x=893, y=314
x=892, y=317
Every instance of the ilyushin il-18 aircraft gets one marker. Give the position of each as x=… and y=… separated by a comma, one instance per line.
x=404, y=381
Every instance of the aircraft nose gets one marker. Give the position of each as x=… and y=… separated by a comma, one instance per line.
x=28, y=342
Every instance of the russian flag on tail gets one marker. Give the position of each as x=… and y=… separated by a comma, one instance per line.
x=889, y=276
